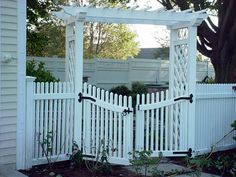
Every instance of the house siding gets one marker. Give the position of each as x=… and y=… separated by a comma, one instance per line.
x=8, y=82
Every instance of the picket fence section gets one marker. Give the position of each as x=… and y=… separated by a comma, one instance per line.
x=50, y=120
x=215, y=111
x=108, y=120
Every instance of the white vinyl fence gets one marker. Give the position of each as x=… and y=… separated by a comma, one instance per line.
x=107, y=73
x=50, y=112
x=215, y=111
x=50, y=108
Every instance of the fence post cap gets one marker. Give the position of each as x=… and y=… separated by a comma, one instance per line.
x=30, y=78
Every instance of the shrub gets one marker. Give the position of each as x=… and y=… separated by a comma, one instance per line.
x=38, y=70
x=138, y=88
x=121, y=90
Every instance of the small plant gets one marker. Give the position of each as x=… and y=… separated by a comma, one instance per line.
x=198, y=163
x=46, y=146
x=100, y=162
x=142, y=161
x=224, y=163
x=76, y=157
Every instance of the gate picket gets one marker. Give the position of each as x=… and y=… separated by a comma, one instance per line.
x=152, y=124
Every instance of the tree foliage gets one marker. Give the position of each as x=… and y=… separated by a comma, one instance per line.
x=215, y=41
x=46, y=35
x=38, y=70
x=114, y=41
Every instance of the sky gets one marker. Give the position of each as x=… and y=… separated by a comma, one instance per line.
x=146, y=33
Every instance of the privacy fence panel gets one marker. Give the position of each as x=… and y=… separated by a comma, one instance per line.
x=107, y=73
x=215, y=111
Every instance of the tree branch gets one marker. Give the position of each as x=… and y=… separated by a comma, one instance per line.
x=213, y=26
x=207, y=32
x=166, y=3
x=203, y=50
x=183, y=4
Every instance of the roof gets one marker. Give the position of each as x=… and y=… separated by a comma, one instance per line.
x=132, y=15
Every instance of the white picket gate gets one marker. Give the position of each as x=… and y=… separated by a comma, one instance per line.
x=161, y=124
x=107, y=123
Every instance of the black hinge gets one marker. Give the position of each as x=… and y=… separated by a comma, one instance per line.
x=189, y=152
x=126, y=111
x=190, y=98
x=81, y=97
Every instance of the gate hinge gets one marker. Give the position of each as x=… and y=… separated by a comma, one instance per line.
x=189, y=152
x=190, y=98
x=81, y=97
x=126, y=111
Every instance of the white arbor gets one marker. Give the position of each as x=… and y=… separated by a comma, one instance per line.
x=182, y=69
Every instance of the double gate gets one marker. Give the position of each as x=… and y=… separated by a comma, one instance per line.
x=110, y=122
x=158, y=123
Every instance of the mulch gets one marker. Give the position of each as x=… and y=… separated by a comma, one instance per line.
x=65, y=170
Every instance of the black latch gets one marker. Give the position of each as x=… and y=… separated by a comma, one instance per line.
x=190, y=98
x=189, y=152
x=126, y=111
x=81, y=97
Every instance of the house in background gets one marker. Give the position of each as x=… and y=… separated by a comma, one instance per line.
x=12, y=80
x=154, y=53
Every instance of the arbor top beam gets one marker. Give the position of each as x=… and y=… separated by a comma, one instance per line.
x=131, y=16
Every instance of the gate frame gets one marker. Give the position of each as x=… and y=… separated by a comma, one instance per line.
x=75, y=16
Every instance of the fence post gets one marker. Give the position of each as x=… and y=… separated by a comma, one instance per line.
x=29, y=122
x=78, y=79
x=192, y=50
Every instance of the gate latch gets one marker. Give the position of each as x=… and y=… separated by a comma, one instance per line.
x=81, y=97
x=126, y=111
x=190, y=98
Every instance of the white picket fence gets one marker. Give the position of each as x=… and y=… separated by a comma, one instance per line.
x=50, y=108
x=50, y=112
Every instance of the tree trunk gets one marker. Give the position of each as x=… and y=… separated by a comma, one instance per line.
x=224, y=53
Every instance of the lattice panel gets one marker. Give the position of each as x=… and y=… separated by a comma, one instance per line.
x=180, y=82
x=180, y=69
x=71, y=61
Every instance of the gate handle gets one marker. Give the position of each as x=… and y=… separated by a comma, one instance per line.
x=81, y=97
x=190, y=98
x=126, y=111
